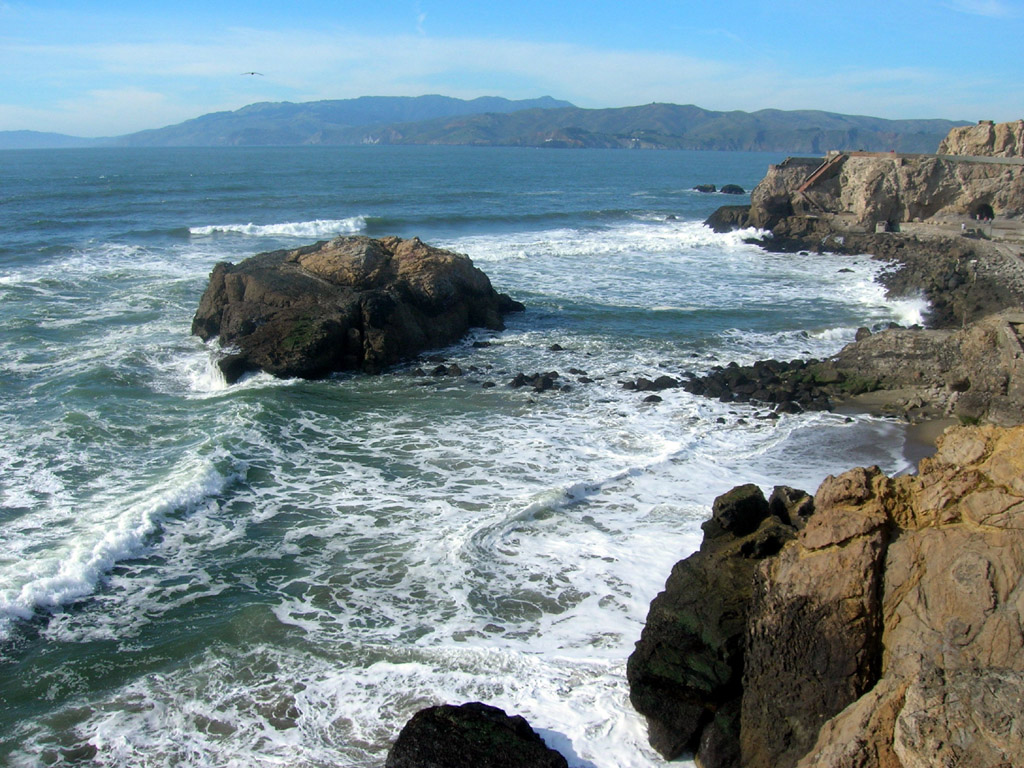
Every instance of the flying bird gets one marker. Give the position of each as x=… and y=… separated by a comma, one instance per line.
x=253, y=73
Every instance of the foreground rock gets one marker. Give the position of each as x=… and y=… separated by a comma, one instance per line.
x=685, y=673
x=473, y=735
x=885, y=633
x=353, y=303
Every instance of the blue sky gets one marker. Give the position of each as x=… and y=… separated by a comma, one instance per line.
x=102, y=68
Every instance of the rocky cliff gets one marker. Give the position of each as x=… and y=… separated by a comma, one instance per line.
x=931, y=217
x=862, y=191
x=352, y=303
x=986, y=139
x=885, y=632
x=975, y=374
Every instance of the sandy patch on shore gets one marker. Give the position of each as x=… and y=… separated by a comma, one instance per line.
x=923, y=425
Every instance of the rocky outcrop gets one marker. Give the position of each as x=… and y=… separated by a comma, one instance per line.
x=986, y=139
x=887, y=631
x=729, y=217
x=952, y=662
x=861, y=191
x=472, y=735
x=813, y=634
x=975, y=374
x=685, y=673
x=352, y=303
x=849, y=203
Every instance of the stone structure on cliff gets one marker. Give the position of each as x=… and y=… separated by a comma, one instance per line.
x=353, y=303
x=986, y=139
x=885, y=633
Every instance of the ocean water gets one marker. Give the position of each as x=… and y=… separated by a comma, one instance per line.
x=282, y=572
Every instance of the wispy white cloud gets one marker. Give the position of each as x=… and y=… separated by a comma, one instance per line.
x=996, y=9
x=123, y=87
x=421, y=19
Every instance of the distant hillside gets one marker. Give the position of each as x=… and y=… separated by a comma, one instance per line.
x=39, y=140
x=321, y=122
x=544, y=122
x=670, y=126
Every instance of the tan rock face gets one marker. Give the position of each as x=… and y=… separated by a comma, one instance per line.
x=951, y=689
x=986, y=139
x=883, y=631
x=815, y=625
x=975, y=373
x=863, y=190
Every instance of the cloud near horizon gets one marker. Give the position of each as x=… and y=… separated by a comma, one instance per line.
x=995, y=9
x=110, y=87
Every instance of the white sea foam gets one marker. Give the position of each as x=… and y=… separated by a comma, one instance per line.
x=316, y=228
x=505, y=555
x=90, y=542
x=409, y=544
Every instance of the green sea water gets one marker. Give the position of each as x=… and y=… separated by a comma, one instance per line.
x=283, y=572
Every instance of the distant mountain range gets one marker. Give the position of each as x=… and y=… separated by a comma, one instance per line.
x=544, y=122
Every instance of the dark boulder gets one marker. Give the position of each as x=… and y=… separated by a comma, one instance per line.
x=792, y=387
x=473, y=735
x=352, y=303
x=685, y=674
x=541, y=382
x=729, y=217
x=733, y=189
x=705, y=188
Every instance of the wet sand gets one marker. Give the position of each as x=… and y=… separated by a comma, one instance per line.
x=922, y=430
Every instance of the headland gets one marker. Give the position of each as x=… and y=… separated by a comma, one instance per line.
x=875, y=623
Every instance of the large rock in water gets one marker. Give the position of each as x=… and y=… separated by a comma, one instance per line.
x=353, y=303
x=473, y=735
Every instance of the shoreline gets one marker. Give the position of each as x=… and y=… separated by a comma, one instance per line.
x=920, y=434
x=966, y=365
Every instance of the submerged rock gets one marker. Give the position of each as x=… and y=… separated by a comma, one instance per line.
x=352, y=303
x=472, y=735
